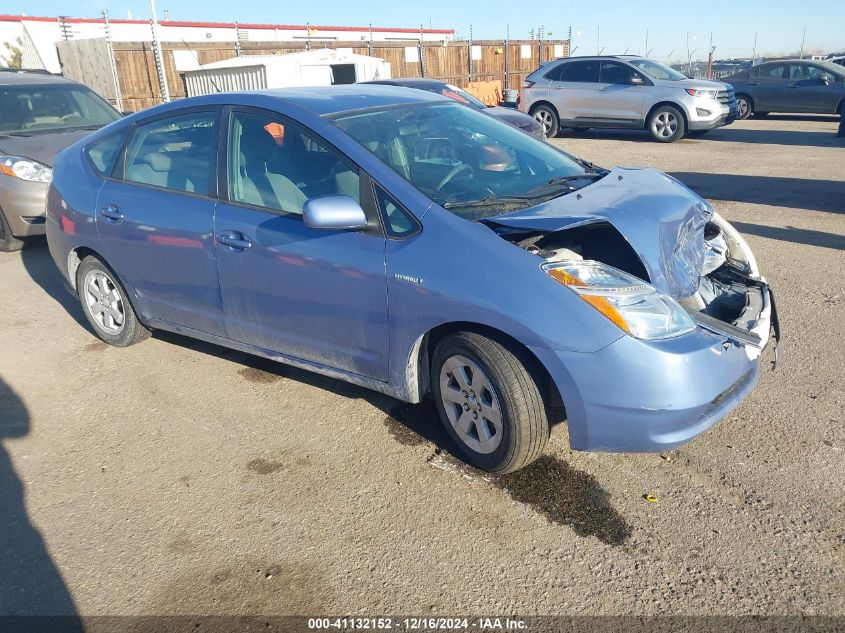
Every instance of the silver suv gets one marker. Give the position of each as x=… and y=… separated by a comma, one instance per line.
x=621, y=91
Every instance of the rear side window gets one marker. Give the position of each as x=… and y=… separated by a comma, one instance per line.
x=102, y=154
x=175, y=153
x=555, y=73
x=585, y=71
x=774, y=72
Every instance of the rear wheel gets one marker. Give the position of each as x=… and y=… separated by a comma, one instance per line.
x=8, y=242
x=744, y=106
x=488, y=402
x=666, y=124
x=106, y=305
x=547, y=117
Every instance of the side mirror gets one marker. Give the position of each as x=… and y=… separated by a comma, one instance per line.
x=636, y=80
x=338, y=212
x=825, y=81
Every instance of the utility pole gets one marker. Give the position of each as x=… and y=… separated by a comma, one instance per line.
x=647, y=49
x=689, y=57
x=803, y=37
x=754, y=50
x=159, y=57
x=598, y=33
x=112, y=62
x=669, y=57
x=569, y=37
x=710, y=58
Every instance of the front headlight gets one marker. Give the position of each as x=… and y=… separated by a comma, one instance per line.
x=707, y=94
x=25, y=169
x=633, y=305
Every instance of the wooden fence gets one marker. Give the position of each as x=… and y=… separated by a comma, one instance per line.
x=458, y=62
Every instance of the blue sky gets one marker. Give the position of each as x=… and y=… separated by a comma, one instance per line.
x=778, y=23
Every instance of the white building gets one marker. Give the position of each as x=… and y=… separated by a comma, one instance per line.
x=38, y=35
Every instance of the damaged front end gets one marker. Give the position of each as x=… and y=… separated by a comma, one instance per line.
x=650, y=226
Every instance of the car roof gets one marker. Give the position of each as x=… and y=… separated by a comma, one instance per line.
x=590, y=57
x=327, y=100
x=410, y=82
x=22, y=77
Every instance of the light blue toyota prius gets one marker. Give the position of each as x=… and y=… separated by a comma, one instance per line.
x=401, y=241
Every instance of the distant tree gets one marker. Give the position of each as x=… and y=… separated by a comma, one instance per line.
x=14, y=55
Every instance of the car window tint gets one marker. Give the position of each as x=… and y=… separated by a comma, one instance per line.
x=102, y=154
x=174, y=153
x=586, y=71
x=397, y=220
x=274, y=164
x=554, y=73
x=616, y=73
x=779, y=71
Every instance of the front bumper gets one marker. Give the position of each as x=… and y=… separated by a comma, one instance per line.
x=720, y=114
x=23, y=204
x=638, y=396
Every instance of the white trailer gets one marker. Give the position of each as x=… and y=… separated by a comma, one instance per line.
x=324, y=67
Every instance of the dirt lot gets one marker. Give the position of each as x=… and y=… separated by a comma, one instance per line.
x=177, y=477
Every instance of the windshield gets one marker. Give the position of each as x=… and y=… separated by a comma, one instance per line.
x=36, y=109
x=463, y=160
x=656, y=70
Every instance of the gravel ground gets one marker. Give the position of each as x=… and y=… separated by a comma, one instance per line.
x=176, y=477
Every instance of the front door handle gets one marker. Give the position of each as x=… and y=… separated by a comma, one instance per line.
x=234, y=240
x=111, y=212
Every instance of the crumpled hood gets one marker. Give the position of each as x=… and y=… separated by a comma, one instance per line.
x=661, y=219
x=41, y=147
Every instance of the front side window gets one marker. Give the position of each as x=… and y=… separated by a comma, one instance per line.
x=398, y=222
x=175, y=153
x=33, y=109
x=585, y=72
x=274, y=164
x=617, y=73
x=656, y=70
x=462, y=159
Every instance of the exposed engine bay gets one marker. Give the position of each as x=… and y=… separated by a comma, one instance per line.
x=731, y=298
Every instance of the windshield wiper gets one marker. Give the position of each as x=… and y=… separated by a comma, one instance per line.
x=488, y=201
x=562, y=180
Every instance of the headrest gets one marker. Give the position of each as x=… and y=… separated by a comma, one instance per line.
x=158, y=161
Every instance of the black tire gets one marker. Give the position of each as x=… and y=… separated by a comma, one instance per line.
x=524, y=428
x=666, y=124
x=547, y=117
x=744, y=111
x=8, y=242
x=131, y=330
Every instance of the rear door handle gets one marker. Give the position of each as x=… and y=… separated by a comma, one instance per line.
x=234, y=240
x=111, y=212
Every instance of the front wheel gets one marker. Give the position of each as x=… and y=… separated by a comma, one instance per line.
x=547, y=117
x=8, y=242
x=743, y=107
x=666, y=124
x=106, y=305
x=488, y=402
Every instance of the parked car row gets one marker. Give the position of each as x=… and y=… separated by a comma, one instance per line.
x=299, y=225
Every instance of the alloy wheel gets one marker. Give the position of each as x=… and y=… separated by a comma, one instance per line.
x=742, y=107
x=544, y=118
x=471, y=404
x=104, y=302
x=665, y=124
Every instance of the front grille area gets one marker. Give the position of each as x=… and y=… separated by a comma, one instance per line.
x=725, y=97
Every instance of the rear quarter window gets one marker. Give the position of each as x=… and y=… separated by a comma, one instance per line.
x=103, y=153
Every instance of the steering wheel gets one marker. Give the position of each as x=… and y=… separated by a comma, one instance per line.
x=457, y=169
